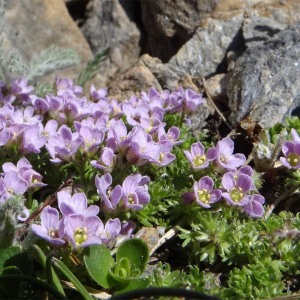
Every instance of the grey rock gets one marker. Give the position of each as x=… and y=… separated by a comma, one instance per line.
x=34, y=25
x=257, y=30
x=266, y=81
x=170, y=23
x=205, y=51
x=107, y=25
x=147, y=72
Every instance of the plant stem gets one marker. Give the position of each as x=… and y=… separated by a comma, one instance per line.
x=54, y=280
x=65, y=270
x=29, y=200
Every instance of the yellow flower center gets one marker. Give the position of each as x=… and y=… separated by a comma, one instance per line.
x=148, y=129
x=161, y=156
x=130, y=199
x=236, y=194
x=293, y=159
x=223, y=158
x=199, y=160
x=204, y=196
x=10, y=190
x=52, y=233
x=80, y=235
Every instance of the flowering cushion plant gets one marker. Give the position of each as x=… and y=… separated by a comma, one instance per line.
x=125, y=166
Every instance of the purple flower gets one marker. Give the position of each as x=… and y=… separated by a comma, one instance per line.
x=49, y=229
x=66, y=85
x=26, y=117
x=106, y=161
x=12, y=184
x=82, y=231
x=224, y=157
x=117, y=135
x=76, y=204
x=32, y=140
x=108, y=202
x=102, y=107
x=20, y=89
x=246, y=170
x=197, y=158
x=109, y=232
x=41, y=105
x=237, y=189
x=135, y=192
x=97, y=95
x=126, y=232
x=165, y=156
x=134, y=114
x=92, y=138
x=204, y=194
x=24, y=215
x=5, y=136
x=25, y=171
x=295, y=136
x=171, y=136
x=291, y=151
x=187, y=198
x=154, y=98
x=173, y=103
x=22, y=165
x=116, y=108
x=50, y=128
x=142, y=149
x=63, y=145
x=98, y=124
x=254, y=207
x=191, y=101
x=33, y=179
x=16, y=131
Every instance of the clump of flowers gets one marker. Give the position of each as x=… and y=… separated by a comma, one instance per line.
x=237, y=187
x=79, y=225
x=92, y=136
x=130, y=163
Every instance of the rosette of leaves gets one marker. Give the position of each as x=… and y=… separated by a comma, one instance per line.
x=122, y=273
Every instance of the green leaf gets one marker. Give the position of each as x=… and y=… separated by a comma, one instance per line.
x=92, y=67
x=22, y=261
x=11, y=289
x=43, y=88
x=98, y=262
x=43, y=260
x=50, y=60
x=123, y=268
x=7, y=253
x=137, y=253
x=135, y=284
x=78, y=285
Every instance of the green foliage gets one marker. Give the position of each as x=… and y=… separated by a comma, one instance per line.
x=9, y=210
x=98, y=262
x=6, y=254
x=125, y=271
x=52, y=59
x=162, y=276
x=15, y=65
x=90, y=71
x=13, y=261
x=10, y=289
x=43, y=88
x=131, y=258
x=255, y=281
